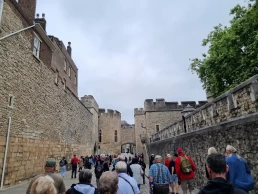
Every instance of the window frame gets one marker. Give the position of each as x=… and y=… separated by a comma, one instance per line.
x=65, y=65
x=1, y=9
x=69, y=71
x=116, y=139
x=157, y=130
x=39, y=41
x=100, y=136
x=75, y=79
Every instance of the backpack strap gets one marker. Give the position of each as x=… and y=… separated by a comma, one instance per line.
x=127, y=182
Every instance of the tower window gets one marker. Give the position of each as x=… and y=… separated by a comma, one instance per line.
x=36, y=46
x=100, y=134
x=75, y=80
x=157, y=128
x=115, y=135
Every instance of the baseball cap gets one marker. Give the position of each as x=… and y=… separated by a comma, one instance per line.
x=158, y=157
x=179, y=150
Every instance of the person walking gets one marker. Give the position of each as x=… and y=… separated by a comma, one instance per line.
x=50, y=169
x=151, y=160
x=84, y=186
x=74, y=162
x=159, y=177
x=217, y=169
x=126, y=184
x=43, y=185
x=211, y=150
x=62, y=165
x=108, y=183
x=100, y=167
x=143, y=165
x=167, y=160
x=185, y=168
x=80, y=163
x=172, y=170
x=239, y=173
x=137, y=172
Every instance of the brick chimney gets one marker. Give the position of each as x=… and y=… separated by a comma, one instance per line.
x=42, y=21
x=69, y=49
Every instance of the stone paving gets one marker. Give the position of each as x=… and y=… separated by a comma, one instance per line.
x=21, y=189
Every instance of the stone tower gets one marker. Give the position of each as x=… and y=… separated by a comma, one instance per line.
x=93, y=107
x=109, y=134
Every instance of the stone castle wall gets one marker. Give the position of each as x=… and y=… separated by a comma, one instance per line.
x=109, y=122
x=46, y=119
x=232, y=118
x=93, y=107
x=159, y=113
x=127, y=134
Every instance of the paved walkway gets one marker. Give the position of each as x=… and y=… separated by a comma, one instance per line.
x=21, y=189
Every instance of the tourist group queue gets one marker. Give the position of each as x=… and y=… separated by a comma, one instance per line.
x=228, y=174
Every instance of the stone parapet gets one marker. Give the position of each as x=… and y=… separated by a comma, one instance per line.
x=109, y=113
x=161, y=105
x=239, y=101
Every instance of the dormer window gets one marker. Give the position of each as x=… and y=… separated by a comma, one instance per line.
x=36, y=46
x=69, y=71
x=65, y=65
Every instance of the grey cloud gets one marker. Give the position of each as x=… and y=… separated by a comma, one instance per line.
x=127, y=51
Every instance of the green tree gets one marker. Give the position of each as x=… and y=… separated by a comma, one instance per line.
x=233, y=52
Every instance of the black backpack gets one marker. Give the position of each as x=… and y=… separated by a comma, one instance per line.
x=62, y=162
x=99, y=169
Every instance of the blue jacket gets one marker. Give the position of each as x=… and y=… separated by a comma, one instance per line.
x=239, y=173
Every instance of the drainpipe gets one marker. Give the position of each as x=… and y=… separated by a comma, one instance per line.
x=6, y=150
x=13, y=33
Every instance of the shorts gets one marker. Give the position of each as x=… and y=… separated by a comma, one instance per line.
x=174, y=178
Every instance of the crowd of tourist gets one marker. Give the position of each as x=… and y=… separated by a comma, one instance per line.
x=121, y=175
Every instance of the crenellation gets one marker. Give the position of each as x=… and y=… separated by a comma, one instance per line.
x=185, y=103
x=139, y=111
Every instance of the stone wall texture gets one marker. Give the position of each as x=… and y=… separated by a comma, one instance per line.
x=127, y=135
x=109, y=122
x=46, y=118
x=232, y=118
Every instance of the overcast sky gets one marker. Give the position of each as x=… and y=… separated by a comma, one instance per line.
x=131, y=50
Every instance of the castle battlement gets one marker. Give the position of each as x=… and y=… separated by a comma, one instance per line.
x=162, y=105
x=139, y=111
x=90, y=102
x=109, y=113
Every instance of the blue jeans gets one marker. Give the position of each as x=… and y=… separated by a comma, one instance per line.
x=63, y=170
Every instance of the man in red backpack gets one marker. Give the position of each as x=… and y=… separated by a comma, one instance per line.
x=185, y=168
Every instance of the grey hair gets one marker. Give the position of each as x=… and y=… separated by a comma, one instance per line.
x=85, y=176
x=108, y=183
x=231, y=148
x=43, y=184
x=121, y=167
x=121, y=157
x=212, y=150
x=102, y=156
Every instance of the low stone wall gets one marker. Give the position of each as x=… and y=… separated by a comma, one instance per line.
x=239, y=101
x=232, y=118
x=242, y=133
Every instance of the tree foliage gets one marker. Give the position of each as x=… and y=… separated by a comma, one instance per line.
x=233, y=52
